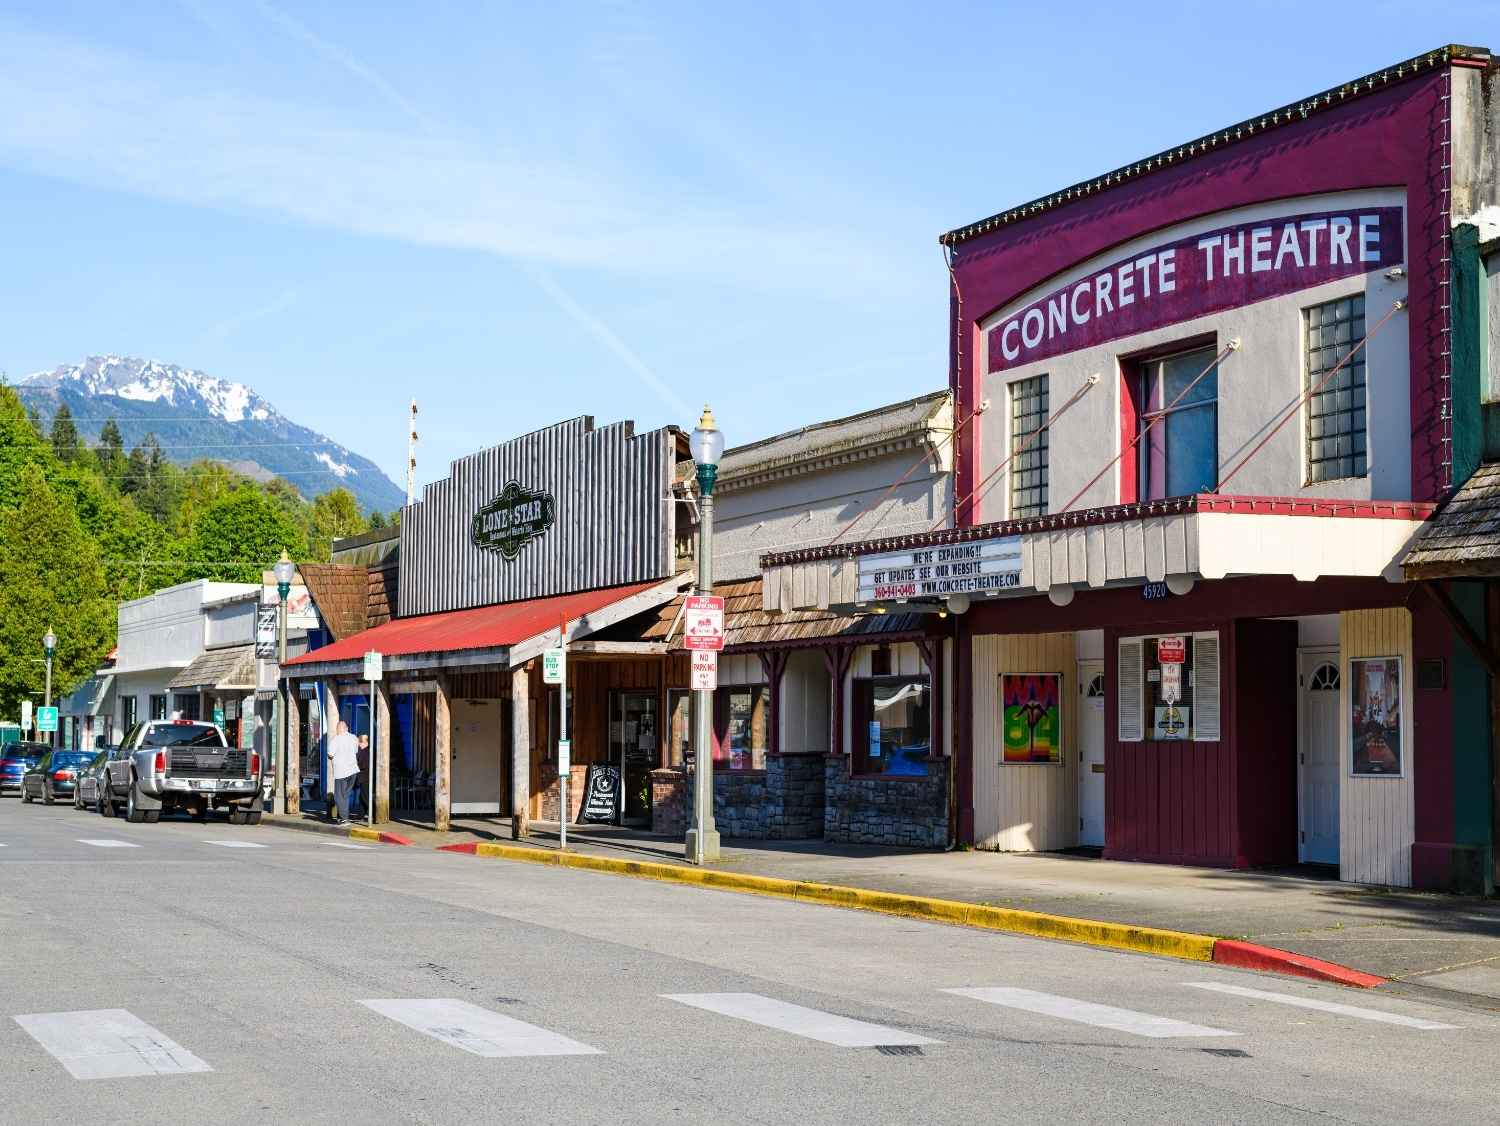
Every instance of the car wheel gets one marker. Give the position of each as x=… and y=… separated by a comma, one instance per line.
x=132, y=814
x=253, y=817
x=153, y=816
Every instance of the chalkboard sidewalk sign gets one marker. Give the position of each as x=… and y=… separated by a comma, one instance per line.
x=601, y=795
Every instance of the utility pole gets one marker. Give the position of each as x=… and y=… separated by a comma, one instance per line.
x=411, y=456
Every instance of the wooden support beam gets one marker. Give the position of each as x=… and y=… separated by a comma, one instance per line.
x=773, y=664
x=442, y=802
x=330, y=727
x=381, y=706
x=293, y=748
x=837, y=659
x=1480, y=647
x=520, y=750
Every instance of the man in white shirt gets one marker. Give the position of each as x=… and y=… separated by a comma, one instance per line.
x=343, y=765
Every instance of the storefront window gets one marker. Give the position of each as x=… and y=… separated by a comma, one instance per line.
x=127, y=712
x=679, y=726
x=185, y=704
x=1169, y=688
x=743, y=718
x=892, y=725
x=159, y=707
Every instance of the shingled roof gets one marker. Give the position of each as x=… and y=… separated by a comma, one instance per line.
x=1463, y=538
x=342, y=594
x=746, y=623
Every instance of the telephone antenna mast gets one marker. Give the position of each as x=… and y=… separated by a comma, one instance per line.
x=411, y=456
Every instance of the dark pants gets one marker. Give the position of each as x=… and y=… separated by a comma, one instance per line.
x=342, y=788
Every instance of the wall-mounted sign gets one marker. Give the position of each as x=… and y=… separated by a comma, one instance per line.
x=703, y=622
x=978, y=567
x=265, y=632
x=1171, y=683
x=512, y=520
x=1171, y=650
x=301, y=611
x=1031, y=717
x=1170, y=722
x=1190, y=276
x=1375, y=715
x=1152, y=592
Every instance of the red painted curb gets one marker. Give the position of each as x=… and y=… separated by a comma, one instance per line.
x=392, y=838
x=1249, y=956
x=464, y=846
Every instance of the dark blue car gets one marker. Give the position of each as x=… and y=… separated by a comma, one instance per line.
x=16, y=760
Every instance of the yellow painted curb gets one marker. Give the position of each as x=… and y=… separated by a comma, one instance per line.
x=364, y=834
x=1116, y=936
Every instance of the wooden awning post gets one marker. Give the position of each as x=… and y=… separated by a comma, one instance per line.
x=520, y=751
x=442, y=752
x=381, y=705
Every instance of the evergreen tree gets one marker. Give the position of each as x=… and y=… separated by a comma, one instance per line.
x=237, y=537
x=155, y=496
x=50, y=576
x=65, y=442
x=137, y=470
x=112, y=455
x=378, y=520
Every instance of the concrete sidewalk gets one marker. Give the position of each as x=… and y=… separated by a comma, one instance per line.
x=1435, y=941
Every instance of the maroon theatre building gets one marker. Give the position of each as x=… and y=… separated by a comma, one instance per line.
x=1206, y=403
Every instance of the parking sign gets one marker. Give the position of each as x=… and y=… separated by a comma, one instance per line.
x=703, y=622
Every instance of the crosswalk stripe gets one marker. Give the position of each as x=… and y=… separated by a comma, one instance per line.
x=1323, y=1006
x=235, y=844
x=798, y=1020
x=106, y=843
x=1087, y=1012
x=477, y=1030
x=109, y=1044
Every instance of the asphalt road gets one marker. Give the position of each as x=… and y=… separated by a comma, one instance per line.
x=170, y=978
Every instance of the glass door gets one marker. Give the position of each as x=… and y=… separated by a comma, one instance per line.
x=635, y=748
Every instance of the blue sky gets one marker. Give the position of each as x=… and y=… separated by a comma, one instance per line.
x=520, y=213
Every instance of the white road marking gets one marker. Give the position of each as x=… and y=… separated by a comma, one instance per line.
x=1086, y=1012
x=109, y=1044
x=799, y=1021
x=477, y=1030
x=235, y=844
x=1323, y=1006
x=106, y=843
x=341, y=844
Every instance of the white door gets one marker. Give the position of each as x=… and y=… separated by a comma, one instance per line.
x=1091, y=753
x=1318, y=757
x=476, y=747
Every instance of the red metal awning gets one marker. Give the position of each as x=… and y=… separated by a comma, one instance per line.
x=485, y=627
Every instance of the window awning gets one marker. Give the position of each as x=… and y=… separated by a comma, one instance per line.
x=231, y=669
x=1463, y=539
x=510, y=633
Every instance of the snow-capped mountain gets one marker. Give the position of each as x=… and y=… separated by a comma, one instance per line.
x=195, y=415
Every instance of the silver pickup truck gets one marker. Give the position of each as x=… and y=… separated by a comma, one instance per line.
x=181, y=764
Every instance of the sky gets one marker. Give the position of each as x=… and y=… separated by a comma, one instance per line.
x=520, y=213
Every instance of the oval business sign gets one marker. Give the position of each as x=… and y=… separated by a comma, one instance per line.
x=512, y=520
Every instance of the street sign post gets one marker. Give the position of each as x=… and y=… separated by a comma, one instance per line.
x=555, y=663
x=374, y=672
x=564, y=756
x=703, y=622
x=25, y=715
x=46, y=720
x=705, y=670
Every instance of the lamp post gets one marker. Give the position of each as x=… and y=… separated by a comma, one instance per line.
x=283, y=570
x=49, y=642
x=702, y=845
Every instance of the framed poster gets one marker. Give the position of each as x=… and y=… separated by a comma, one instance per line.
x=1375, y=716
x=1031, y=717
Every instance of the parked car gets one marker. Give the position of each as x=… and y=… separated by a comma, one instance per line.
x=183, y=764
x=54, y=776
x=18, y=758
x=86, y=793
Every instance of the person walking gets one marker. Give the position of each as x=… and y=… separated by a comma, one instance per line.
x=343, y=765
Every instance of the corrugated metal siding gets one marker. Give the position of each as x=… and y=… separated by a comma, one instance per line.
x=1035, y=806
x=614, y=519
x=1377, y=816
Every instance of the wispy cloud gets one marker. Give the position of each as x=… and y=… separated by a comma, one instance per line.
x=170, y=132
x=221, y=331
x=600, y=331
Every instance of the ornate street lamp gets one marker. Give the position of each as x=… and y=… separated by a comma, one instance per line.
x=702, y=845
x=283, y=570
x=49, y=642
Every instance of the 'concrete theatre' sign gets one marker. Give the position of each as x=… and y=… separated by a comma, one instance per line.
x=512, y=520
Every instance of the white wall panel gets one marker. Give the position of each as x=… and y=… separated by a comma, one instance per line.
x=1031, y=807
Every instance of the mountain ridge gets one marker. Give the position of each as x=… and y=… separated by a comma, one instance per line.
x=195, y=415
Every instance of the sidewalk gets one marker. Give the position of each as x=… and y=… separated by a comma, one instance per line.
x=1436, y=941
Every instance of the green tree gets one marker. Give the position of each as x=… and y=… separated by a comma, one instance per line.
x=65, y=442
x=378, y=520
x=112, y=455
x=50, y=576
x=238, y=536
x=335, y=515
